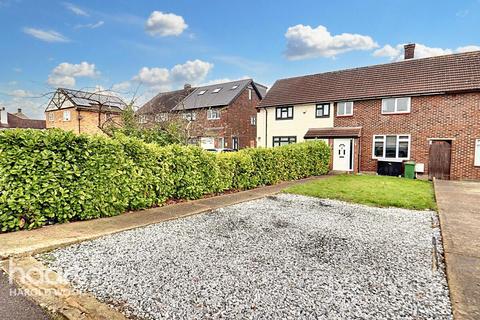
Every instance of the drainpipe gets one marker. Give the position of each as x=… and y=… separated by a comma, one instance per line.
x=266, y=129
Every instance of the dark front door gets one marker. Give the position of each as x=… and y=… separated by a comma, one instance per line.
x=439, y=160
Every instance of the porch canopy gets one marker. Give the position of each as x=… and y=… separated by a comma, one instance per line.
x=337, y=132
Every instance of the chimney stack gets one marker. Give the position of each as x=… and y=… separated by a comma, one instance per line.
x=409, y=51
x=187, y=86
x=3, y=116
x=19, y=110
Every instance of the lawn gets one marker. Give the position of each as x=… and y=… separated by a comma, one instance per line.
x=380, y=191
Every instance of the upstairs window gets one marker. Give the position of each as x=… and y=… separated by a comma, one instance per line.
x=234, y=87
x=66, y=115
x=253, y=120
x=142, y=118
x=51, y=116
x=217, y=90
x=322, y=110
x=190, y=116
x=249, y=94
x=213, y=114
x=284, y=113
x=201, y=92
x=396, y=105
x=345, y=108
x=391, y=147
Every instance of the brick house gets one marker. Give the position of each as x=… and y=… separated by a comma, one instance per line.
x=81, y=111
x=18, y=120
x=219, y=116
x=377, y=117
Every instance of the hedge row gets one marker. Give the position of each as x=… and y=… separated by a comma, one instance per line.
x=55, y=176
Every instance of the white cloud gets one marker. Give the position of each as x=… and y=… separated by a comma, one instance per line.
x=305, y=42
x=65, y=74
x=121, y=86
x=153, y=76
x=421, y=51
x=192, y=72
x=20, y=93
x=165, y=24
x=90, y=25
x=75, y=9
x=46, y=35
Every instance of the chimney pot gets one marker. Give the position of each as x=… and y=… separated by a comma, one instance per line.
x=409, y=51
x=187, y=86
x=19, y=110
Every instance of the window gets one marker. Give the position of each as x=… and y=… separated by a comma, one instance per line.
x=284, y=113
x=217, y=90
x=396, y=105
x=66, y=115
x=142, y=118
x=234, y=87
x=190, y=116
x=322, y=110
x=161, y=117
x=282, y=141
x=213, y=114
x=345, y=108
x=253, y=120
x=51, y=116
x=477, y=152
x=249, y=94
x=391, y=147
x=201, y=92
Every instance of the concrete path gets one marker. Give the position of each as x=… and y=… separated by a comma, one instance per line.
x=51, y=237
x=17, y=307
x=459, y=209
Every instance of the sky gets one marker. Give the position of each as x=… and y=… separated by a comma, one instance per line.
x=140, y=48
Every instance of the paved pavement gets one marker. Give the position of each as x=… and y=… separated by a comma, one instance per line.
x=459, y=209
x=17, y=307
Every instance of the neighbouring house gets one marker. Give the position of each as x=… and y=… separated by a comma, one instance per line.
x=219, y=116
x=159, y=108
x=377, y=117
x=83, y=112
x=18, y=120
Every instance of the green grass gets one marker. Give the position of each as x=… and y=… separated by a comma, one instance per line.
x=379, y=191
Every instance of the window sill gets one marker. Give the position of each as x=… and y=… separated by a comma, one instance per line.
x=322, y=117
x=283, y=118
x=344, y=116
x=391, y=159
x=393, y=113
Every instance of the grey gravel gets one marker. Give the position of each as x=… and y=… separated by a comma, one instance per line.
x=281, y=257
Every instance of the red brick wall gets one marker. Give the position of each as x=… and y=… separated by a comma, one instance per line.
x=455, y=116
x=81, y=121
x=234, y=122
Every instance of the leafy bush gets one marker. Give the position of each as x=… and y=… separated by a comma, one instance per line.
x=55, y=176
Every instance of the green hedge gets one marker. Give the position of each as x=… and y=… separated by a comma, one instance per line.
x=55, y=176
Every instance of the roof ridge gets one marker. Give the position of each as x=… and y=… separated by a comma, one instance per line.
x=383, y=64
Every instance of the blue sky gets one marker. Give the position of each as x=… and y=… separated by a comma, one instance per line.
x=152, y=46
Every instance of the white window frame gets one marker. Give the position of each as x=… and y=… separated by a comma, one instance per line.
x=249, y=94
x=398, y=140
x=190, y=116
x=253, y=120
x=213, y=114
x=395, y=111
x=217, y=90
x=345, y=108
x=142, y=118
x=51, y=116
x=235, y=86
x=202, y=92
x=161, y=117
x=477, y=153
x=67, y=116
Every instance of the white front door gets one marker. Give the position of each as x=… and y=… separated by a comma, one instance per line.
x=342, y=154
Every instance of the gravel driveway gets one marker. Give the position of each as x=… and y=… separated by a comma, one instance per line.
x=281, y=257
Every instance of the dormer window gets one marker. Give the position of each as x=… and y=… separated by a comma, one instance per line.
x=217, y=90
x=202, y=92
x=396, y=105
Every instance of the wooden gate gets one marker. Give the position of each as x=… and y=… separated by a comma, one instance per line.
x=439, y=160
